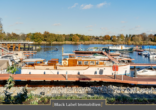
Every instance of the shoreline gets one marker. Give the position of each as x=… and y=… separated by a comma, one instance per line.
x=97, y=42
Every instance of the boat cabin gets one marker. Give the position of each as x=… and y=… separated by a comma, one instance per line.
x=79, y=61
x=33, y=62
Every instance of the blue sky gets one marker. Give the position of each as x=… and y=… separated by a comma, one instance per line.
x=88, y=17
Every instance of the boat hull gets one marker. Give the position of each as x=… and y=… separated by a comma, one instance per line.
x=79, y=70
x=87, y=52
x=107, y=49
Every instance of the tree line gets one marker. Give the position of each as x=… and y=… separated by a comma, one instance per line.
x=51, y=37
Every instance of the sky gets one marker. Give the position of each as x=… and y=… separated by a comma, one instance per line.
x=88, y=17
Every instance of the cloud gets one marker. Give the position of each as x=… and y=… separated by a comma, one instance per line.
x=90, y=30
x=137, y=26
x=123, y=21
x=123, y=26
x=17, y=23
x=122, y=30
x=86, y=6
x=89, y=26
x=17, y=29
x=102, y=4
x=56, y=24
x=73, y=5
x=103, y=28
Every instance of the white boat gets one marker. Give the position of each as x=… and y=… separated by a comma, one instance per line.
x=152, y=55
x=145, y=53
x=119, y=48
x=11, y=57
x=72, y=65
x=146, y=72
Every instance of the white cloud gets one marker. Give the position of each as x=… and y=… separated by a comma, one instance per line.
x=89, y=26
x=137, y=26
x=101, y=4
x=123, y=21
x=57, y=24
x=103, y=28
x=17, y=29
x=16, y=24
x=122, y=30
x=73, y=5
x=86, y=6
x=90, y=30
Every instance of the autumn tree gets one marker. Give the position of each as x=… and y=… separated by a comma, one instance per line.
x=151, y=37
x=38, y=37
x=114, y=39
x=75, y=38
x=106, y=37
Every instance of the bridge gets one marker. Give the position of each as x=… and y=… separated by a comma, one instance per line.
x=15, y=44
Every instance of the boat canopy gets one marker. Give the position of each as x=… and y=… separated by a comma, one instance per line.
x=33, y=60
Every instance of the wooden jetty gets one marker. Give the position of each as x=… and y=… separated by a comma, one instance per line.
x=103, y=78
x=111, y=58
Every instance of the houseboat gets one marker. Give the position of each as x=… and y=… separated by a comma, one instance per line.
x=73, y=65
x=118, y=48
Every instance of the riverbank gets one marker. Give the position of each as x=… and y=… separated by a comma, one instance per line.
x=51, y=91
x=99, y=42
x=42, y=97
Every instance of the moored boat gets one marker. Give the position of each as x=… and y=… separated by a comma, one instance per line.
x=146, y=72
x=118, y=48
x=73, y=65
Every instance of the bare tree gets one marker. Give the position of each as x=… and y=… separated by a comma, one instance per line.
x=1, y=26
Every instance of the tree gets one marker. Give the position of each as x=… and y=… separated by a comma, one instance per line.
x=51, y=38
x=151, y=37
x=46, y=35
x=60, y=38
x=75, y=38
x=38, y=37
x=122, y=37
x=114, y=38
x=1, y=27
x=106, y=37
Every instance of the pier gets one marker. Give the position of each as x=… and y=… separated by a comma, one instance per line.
x=16, y=45
x=86, y=78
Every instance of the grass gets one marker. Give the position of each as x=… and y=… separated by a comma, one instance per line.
x=36, y=100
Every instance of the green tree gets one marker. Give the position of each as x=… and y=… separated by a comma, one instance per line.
x=38, y=37
x=122, y=37
x=51, y=38
x=46, y=35
x=60, y=38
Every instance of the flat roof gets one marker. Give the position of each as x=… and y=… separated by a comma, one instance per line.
x=33, y=60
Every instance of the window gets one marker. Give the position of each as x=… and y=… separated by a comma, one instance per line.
x=97, y=62
x=85, y=62
x=79, y=62
x=92, y=63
